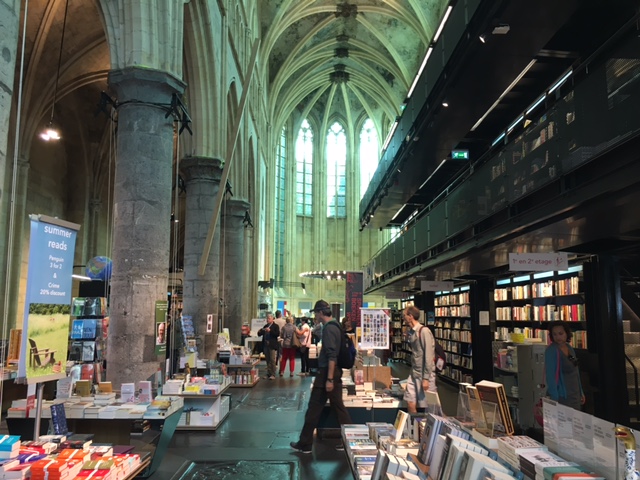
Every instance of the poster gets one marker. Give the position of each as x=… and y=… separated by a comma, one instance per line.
x=161, y=312
x=47, y=306
x=375, y=328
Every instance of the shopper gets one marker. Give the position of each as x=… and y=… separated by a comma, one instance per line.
x=304, y=334
x=269, y=334
x=423, y=370
x=328, y=383
x=561, y=368
x=288, y=349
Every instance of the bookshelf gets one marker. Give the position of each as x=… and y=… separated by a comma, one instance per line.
x=520, y=368
x=245, y=375
x=397, y=333
x=523, y=304
x=452, y=329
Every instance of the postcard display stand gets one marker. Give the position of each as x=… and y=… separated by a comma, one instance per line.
x=88, y=336
x=374, y=325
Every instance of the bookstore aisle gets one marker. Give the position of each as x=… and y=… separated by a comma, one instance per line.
x=254, y=440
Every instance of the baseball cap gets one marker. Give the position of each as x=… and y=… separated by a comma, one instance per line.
x=321, y=305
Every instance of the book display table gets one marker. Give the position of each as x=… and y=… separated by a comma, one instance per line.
x=204, y=412
x=116, y=431
x=361, y=411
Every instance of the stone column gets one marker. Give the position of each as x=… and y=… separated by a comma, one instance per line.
x=234, y=260
x=142, y=216
x=9, y=26
x=95, y=205
x=200, y=293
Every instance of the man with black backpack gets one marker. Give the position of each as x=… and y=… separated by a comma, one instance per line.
x=328, y=381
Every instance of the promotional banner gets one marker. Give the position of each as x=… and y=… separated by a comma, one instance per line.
x=161, y=326
x=353, y=297
x=47, y=307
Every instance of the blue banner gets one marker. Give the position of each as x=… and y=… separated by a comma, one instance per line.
x=47, y=310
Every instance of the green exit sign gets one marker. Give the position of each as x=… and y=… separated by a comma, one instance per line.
x=460, y=154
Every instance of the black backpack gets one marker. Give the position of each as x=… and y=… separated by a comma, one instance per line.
x=347, y=354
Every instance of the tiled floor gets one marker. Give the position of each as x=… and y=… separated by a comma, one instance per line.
x=253, y=442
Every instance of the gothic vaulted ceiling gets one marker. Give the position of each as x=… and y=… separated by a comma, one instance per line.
x=348, y=58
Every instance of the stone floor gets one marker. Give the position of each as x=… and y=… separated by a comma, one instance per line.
x=253, y=442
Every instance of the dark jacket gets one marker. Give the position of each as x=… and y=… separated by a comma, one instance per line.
x=331, y=341
x=270, y=339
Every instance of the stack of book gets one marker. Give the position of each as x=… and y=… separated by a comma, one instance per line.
x=510, y=448
x=9, y=446
x=542, y=465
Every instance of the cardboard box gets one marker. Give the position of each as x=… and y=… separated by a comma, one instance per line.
x=380, y=376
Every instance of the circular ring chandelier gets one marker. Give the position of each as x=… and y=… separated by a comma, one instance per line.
x=326, y=274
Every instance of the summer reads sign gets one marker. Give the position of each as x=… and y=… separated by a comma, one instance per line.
x=47, y=308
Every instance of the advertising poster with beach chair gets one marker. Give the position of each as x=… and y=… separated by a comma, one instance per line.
x=47, y=309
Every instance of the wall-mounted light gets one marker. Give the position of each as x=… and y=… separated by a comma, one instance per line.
x=50, y=132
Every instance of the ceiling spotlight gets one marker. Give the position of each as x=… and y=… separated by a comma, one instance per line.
x=445, y=103
x=483, y=38
x=50, y=133
x=501, y=29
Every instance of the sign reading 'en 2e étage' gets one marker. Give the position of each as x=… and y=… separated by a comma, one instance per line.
x=538, y=262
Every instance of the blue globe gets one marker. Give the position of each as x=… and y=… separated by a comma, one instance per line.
x=99, y=268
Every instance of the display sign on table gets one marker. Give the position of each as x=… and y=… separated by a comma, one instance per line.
x=47, y=306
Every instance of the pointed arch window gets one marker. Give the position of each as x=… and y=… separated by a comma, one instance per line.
x=369, y=154
x=336, y=171
x=304, y=170
x=280, y=195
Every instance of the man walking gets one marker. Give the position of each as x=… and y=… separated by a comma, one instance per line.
x=423, y=369
x=270, y=333
x=328, y=381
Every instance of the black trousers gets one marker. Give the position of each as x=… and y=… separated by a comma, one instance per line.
x=304, y=359
x=318, y=400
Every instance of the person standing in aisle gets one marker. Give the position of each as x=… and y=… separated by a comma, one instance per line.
x=422, y=377
x=281, y=323
x=328, y=382
x=304, y=334
x=269, y=334
x=562, y=374
x=288, y=349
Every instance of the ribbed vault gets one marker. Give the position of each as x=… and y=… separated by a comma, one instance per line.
x=370, y=49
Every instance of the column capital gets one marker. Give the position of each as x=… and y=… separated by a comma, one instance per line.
x=201, y=169
x=235, y=208
x=145, y=85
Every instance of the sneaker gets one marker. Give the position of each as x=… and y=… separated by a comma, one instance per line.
x=291, y=374
x=300, y=448
x=272, y=377
x=340, y=447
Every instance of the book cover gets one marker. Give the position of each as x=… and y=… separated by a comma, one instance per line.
x=400, y=424
x=88, y=351
x=89, y=328
x=475, y=462
x=59, y=419
x=493, y=392
x=76, y=329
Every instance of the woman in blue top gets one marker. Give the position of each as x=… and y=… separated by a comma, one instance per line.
x=561, y=368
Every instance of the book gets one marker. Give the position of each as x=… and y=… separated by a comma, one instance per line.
x=59, y=419
x=88, y=351
x=88, y=329
x=494, y=392
x=474, y=462
x=76, y=329
x=400, y=424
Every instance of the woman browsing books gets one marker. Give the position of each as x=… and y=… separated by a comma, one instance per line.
x=561, y=368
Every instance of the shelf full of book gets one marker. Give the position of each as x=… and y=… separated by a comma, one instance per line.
x=453, y=332
x=523, y=304
x=398, y=336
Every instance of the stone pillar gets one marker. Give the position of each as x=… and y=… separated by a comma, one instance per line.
x=9, y=26
x=233, y=269
x=200, y=293
x=142, y=217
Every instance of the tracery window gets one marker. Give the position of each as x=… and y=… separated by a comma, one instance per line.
x=336, y=171
x=304, y=170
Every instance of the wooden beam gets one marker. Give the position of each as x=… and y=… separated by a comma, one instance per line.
x=231, y=148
